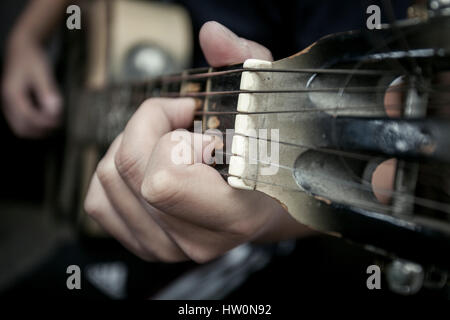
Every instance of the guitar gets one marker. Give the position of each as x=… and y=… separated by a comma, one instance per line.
x=120, y=41
x=331, y=126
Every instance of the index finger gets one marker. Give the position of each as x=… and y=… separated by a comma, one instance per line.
x=154, y=118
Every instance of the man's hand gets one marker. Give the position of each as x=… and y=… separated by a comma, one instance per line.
x=31, y=100
x=172, y=212
x=27, y=75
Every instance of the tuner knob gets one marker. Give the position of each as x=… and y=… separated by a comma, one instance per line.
x=438, y=7
x=146, y=61
x=404, y=277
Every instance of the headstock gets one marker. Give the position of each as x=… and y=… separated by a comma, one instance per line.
x=333, y=117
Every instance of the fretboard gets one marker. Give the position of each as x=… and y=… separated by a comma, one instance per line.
x=102, y=114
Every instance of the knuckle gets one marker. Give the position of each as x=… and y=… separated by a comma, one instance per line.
x=160, y=187
x=125, y=162
x=151, y=103
x=202, y=255
x=240, y=228
x=165, y=253
x=105, y=171
x=92, y=207
x=145, y=255
x=168, y=258
x=199, y=252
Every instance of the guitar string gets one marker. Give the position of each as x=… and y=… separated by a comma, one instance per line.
x=328, y=150
x=429, y=203
x=205, y=72
x=170, y=79
x=241, y=71
x=368, y=205
x=358, y=156
x=424, y=202
x=441, y=104
x=367, y=89
x=375, y=107
x=352, y=72
x=358, y=203
x=207, y=75
x=354, y=155
x=435, y=105
x=339, y=152
x=399, y=36
x=212, y=74
x=180, y=79
x=426, y=168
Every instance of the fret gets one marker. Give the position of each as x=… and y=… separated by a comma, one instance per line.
x=137, y=96
x=184, y=84
x=189, y=86
x=143, y=92
x=148, y=89
x=172, y=87
x=228, y=82
x=223, y=103
x=164, y=88
x=153, y=88
x=119, y=102
x=206, y=103
x=194, y=85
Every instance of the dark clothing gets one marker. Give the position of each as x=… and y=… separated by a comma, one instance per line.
x=284, y=27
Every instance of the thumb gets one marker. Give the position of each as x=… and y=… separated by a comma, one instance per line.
x=222, y=47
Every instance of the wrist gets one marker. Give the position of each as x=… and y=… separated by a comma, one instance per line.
x=21, y=37
x=19, y=42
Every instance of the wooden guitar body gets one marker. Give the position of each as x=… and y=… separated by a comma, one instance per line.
x=123, y=40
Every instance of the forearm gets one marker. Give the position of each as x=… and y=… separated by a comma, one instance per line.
x=39, y=19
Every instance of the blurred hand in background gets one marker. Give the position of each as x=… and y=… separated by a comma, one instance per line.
x=32, y=103
x=31, y=100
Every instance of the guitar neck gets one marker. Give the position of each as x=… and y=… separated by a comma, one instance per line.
x=109, y=109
